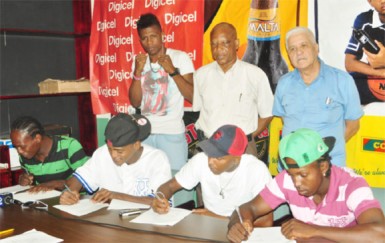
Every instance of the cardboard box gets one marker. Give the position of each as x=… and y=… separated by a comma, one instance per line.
x=53, y=86
x=57, y=129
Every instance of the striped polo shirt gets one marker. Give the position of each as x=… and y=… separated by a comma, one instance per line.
x=348, y=196
x=65, y=156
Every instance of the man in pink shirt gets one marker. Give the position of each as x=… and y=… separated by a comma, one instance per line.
x=327, y=202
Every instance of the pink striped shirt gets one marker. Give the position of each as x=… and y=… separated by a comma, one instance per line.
x=349, y=195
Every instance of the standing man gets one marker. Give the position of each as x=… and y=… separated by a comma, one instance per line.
x=162, y=79
x=316, y=95
x=123, y=168
x=230, y=91
x=47, y=160
x=361, y=63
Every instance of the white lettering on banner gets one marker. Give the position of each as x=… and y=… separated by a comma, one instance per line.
x=105, y=25
x=109, y=92
x=129, y=56
x=119, y=75
x=157, y=3
x=125, y=108
x=102, y=59
x=181, y=18
x=117, y=7
x=117, y=41
x=264, y=27
x=130, y=22
x=169, y=38
x=192, y=55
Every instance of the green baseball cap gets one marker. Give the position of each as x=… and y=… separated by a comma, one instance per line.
x=304, y=146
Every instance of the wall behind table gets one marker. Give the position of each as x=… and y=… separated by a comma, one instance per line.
x=45, y=107
x=40, y=40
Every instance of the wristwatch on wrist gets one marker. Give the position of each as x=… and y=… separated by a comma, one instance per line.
x=176, y=72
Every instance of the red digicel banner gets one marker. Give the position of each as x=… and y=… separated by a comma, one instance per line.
x=115, y=42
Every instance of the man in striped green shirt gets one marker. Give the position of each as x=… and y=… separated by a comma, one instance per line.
x=47, y=160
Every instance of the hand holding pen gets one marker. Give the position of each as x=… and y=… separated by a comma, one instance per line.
x=69, y=197
x=248, y=227
x=26, y=179
x=160, y=203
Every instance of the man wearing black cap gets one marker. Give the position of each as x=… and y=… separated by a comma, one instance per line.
x=123, y=168
x=328, y=202
x=228, y=176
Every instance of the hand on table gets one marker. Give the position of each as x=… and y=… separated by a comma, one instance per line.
x=240, y=231
x=294, y=229
x=69, y=197
x=102, y=196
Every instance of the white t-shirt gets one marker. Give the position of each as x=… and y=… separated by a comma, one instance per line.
x=138, y=179
x=236, y=97
x=162, y=102
x=238, y=186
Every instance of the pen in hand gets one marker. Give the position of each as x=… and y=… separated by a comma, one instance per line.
x=26, y=179
x=67, y=188
x=239, y=215
x=160, y=205
x=245, y=225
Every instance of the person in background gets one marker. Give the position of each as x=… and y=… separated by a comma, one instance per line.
x=317, y=96
x=228, y=177
x=328, y=202
x=361, y=63
x=47, y=160
x=123, y=168
x=231, y=91
x=162, y=79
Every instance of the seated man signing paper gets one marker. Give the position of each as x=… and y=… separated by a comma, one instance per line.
x=228, y=176
x=123, y=168
x=327, y=201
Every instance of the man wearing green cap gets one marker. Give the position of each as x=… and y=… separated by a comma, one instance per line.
x=327, y=202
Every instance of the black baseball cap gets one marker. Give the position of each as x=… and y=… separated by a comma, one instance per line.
x=123, y=129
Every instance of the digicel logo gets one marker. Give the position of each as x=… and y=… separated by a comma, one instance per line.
x=373, y=145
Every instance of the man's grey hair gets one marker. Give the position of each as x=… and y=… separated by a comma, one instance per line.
x=300, y=30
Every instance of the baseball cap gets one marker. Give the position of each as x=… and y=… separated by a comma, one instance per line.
x=123, y=129
x=227, y=140
x=304, y=146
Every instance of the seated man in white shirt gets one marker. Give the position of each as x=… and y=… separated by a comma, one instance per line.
x=228, y=176
x=123, y=168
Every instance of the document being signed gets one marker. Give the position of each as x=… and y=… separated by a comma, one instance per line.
x=172, y=217
x=83, y=207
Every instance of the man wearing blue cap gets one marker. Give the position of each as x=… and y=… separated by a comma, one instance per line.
x=228, y=176
x=328, y=202
x=123, y=168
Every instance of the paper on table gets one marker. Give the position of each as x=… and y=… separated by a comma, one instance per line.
x=32, y=236
x=121, y=204
x=172, y=217
x=268, y=235
x=83, y=207
x=28, y=196
x=14, y=189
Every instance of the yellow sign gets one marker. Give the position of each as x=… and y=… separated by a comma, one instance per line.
x=366, y=150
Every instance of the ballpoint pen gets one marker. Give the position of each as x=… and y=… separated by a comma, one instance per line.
x=239, y=215
x=7, y=232
x=67, y=188
x=132, y=211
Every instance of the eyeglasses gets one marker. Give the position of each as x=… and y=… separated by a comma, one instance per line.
x=35, y=204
